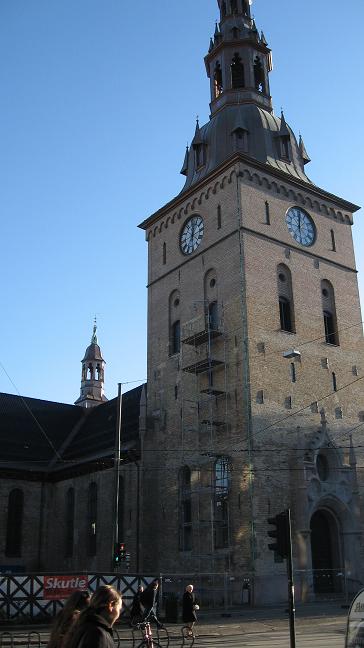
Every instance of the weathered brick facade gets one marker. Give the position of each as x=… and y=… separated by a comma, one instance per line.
x=286, y=427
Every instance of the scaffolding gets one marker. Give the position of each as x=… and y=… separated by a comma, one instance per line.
x=204, y=411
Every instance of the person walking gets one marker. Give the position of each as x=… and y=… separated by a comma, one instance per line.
x=189, y=607
x=67, y=617
x=136, y=611
x=93, y=629
x=149, y=600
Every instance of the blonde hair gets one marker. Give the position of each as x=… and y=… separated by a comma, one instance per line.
x=102, y=596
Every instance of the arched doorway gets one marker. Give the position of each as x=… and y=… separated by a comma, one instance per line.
x=325, y=551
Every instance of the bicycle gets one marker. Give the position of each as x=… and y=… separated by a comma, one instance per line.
x=147, y=636
x=188, y=638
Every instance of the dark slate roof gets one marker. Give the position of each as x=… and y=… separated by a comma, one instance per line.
x=93, y=352
x=96, y=436
x=30, y=429
x=43, y=436
x=263, y=129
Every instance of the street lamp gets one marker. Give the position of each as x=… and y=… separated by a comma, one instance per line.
x=291, y=353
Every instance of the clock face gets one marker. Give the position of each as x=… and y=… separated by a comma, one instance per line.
x=301, y=226
x=191, y=235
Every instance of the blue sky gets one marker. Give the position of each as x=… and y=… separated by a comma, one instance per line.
x=98, y=100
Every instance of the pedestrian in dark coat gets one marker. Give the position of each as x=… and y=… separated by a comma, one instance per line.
x=149, y=600
x=189, y=607
x=94, y=626
x=136, y=611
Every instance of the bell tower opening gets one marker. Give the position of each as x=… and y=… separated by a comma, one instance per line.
x=237, y=73
x=325, y=550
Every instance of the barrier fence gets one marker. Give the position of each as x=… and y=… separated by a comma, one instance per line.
x=27, y=597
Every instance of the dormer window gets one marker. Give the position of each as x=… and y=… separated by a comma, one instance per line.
x=241, y=142
x=237, y=73
x=284, y=147
x=199, y=155
x=259, y=79
x=218, y=80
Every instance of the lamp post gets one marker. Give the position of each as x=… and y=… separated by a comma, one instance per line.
x=117, y=471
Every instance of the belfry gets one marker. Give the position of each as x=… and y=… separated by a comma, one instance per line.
x=252, y=281
x=92, y=377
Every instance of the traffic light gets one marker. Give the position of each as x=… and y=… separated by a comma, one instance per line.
x=116, y=553
x=119, y=553
x=281, y=534
x=122, y=550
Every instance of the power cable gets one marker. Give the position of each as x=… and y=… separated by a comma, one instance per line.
x=40, y=427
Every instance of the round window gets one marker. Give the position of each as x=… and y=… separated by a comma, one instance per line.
x=212, y=283
x=322, y=467
x=176, y=303
x=282, y=277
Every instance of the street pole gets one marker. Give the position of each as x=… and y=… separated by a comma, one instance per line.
x=117, y=471
x=291, y=600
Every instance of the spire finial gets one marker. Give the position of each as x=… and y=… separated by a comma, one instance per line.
x=94, y=336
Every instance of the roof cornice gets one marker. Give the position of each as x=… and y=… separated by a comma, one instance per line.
x=237, y=157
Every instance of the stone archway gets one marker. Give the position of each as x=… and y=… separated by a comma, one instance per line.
x=326, y=552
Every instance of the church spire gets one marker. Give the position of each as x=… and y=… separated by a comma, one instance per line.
x=92, y=377
x=239, y=60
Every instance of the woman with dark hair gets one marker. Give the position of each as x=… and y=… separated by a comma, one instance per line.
x=67, y=617
x=93, y=628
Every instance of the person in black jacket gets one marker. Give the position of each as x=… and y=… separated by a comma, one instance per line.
x=136, y=611
x=189, y=607
x=149, y=600
x=94, y=626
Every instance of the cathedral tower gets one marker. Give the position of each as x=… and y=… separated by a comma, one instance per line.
x=255, y=348
x=92, y=377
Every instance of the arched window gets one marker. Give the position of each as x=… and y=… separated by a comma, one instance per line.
x=218, y=80
x=185, y=510
x=329, y=313
x=259, y=79
x=237, y=73
x=176, y=337
x=92, y=519
x=174, y=322
x=14, y=527
x=221, y=502
x=211, y=300
x=285, y=299
x=213, y=315
x=70, y=522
